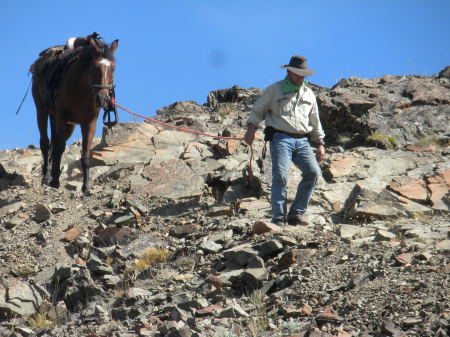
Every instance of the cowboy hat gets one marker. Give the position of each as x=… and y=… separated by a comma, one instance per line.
x=298, y=65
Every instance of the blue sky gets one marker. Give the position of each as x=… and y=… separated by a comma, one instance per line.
x=173, y=50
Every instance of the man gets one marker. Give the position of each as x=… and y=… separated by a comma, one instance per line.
x=290, y=108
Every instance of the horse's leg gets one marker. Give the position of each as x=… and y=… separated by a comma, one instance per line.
x=87, y=131
x=44, y=142
x=60, y=130
x=42, y=114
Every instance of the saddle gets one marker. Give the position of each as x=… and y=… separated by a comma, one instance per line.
x=53, y=62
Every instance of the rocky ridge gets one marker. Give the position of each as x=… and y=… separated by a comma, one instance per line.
x=173, y=240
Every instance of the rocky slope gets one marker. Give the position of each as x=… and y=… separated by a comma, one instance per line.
x=173, y=240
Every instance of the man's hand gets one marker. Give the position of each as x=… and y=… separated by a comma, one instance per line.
x=249, y=136
x=320, y=153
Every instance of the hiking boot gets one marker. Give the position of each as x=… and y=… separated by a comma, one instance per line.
x=278, y=222
x=299, y=220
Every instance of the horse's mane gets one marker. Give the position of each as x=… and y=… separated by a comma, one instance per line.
x=86, y=53
x=61, y=57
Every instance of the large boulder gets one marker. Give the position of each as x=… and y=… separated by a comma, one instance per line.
x=18, y=298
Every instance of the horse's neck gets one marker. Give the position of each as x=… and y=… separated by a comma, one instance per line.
x=78, y=76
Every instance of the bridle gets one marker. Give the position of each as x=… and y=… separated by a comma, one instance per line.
x=109, y=102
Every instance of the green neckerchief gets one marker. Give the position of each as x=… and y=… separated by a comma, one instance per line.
x=288, y=86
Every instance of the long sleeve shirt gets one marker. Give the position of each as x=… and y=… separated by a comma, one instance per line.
x=294, y=112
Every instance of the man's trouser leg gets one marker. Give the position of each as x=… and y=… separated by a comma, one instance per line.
x=304, y=158
x=281, y=152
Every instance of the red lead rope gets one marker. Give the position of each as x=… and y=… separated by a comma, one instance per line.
x=249, y=166
x=171, y=126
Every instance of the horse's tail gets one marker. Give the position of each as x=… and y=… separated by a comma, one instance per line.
x=23, y=99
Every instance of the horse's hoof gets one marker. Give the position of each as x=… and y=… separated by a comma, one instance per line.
x=54, y=184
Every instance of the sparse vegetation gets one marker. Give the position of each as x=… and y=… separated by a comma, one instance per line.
x=24, y=270
x=259, y=320
x=431, y=140
x=150, y=257
x=165, y=274
x=225, y=109
x=185, y=263
x=40, y=322
x=289, y=328
x=378, y=138
x=344, y=138
x=420, y=240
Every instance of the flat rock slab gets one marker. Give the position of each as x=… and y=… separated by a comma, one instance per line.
x=170, y=179
x=128, y=143
x=18, y=298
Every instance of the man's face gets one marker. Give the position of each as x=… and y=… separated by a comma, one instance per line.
x=296, y=79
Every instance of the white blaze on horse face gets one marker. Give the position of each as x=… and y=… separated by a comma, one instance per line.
x=106, y=63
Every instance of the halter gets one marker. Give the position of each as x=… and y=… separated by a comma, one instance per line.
x=104, y=86
x=111, y=107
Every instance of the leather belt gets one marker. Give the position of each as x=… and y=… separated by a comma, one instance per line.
x=294, y=135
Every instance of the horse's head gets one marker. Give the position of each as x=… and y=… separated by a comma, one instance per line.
x=102, y=72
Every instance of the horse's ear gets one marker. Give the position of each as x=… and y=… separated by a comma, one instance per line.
x=93, y=44
x=114, y=45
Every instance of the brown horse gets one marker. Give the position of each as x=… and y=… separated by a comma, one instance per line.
x=83, y=85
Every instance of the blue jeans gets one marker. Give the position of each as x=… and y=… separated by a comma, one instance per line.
x=284, y=150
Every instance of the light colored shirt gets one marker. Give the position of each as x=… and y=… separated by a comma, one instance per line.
x=295, y=112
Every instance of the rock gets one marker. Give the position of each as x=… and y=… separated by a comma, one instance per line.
x=10, y=207
x=139, y=246
x=211, y=247
x=77, y=290
x=293, y=312
x=383, y=235
x=413, y=189
x=233, y=311
x=26, y=332
x=95, y=265
x=288, y=258
x=342, y=166
x=221, y=236
x=328, y=317
x=183, y=230
x=233, y=95
x=18, y=298
x=129, y=143
x=170, y=179
x=390, y=328
x=57, y=207
x=221, y=210
x=404, y=258
x=443, y=245
x=74, y=186
x=125, y=220
x=439, y=187
x=226, y=279
x=261, y=227
x=14, y=222
x=348, y=232
x=72, y=234
x=209, y=310
x=420, y=148
x=254, y=205
x=268, y=248
x=241, y=255
x=254, y=278
x=42, y=213
x=112, y=235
